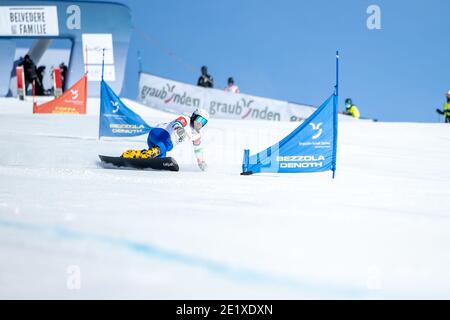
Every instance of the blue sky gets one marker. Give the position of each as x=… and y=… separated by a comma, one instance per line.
x=285, y=50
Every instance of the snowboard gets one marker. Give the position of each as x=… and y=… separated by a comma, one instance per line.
x=168, y=163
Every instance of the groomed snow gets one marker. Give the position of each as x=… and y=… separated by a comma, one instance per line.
x=381, y=229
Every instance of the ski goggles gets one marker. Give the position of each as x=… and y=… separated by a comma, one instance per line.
x=201, y=120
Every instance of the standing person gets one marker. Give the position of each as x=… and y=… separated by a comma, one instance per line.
x=351, y=109
x=231, y=86
x=40, y=90
x=205, y=80
x=64, y=70
x=446, y=111
x=29, y=69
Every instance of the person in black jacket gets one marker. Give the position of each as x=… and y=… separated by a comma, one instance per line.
x=29, y=69
x=205, y=79
x=40, y=90
x=64, y=71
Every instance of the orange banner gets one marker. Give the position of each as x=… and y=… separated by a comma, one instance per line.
x=72, y=101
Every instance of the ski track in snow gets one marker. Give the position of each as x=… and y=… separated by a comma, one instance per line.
x=149, y=250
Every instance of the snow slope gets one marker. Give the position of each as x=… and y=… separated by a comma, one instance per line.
x=379, y=230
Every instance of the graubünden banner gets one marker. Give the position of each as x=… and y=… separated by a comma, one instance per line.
x=184, y=98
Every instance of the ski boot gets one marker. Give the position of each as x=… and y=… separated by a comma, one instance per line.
x=131, y=154
x=151, y=153
x=142, y=154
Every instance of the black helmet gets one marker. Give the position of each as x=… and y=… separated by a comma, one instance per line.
x=231, y=80
x=348, y=101
x=204, y=69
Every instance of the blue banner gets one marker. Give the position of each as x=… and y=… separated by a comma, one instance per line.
x=116, y=119
x=309, y=148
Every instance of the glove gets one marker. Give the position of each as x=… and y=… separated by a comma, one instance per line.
x=202, y=165
x=439, y=111
x=181, y=134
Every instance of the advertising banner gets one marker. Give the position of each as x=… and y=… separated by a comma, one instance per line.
x=311, y=147
x=116, y=119
x=184, y=98
x=28, y=21
x=72, y=101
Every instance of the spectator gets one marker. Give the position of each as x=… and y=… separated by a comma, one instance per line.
x=205, y=79
x=231, y=86
x=351, y=109
x=29, y=69
x=40, y=91
x=64, y=71
x=446, y=111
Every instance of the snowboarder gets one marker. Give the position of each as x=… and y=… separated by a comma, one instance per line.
x=163, y=137
x=205, y=80
x=351, y=109
x=446, y=111
x=231, y=86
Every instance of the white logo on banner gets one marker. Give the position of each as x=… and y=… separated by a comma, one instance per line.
x=74, y=93
x=316, y=127
x=115, y=104
x=27, y=21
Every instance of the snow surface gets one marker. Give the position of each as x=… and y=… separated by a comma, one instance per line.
x=381, y=229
